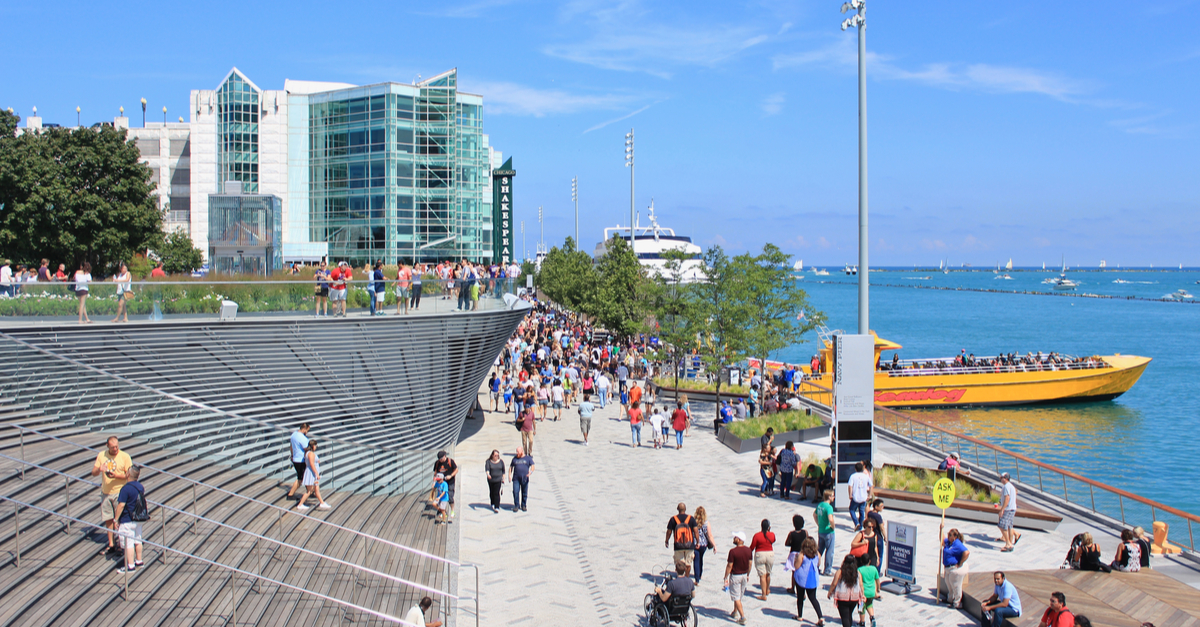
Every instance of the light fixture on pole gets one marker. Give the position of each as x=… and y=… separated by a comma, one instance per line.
x=859, y=21
x=541, y=247
x=77, y=118
x=629, y=164
x=575, y=199
x=164, y=115
x=143, y=113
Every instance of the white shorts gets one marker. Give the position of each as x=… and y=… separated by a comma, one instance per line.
x=337, y=295
x=737, y=586
x=130, y=532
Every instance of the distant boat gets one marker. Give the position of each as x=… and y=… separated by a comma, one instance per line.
x=1003, y=276
x=1103, y=264
x=1063, y=284
x=1179, y=295
x=798, y=266
x=1008, y=266
x=820, y=272
x=918, y=278
x=1121, y=281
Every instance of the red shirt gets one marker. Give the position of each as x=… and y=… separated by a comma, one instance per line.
x=157, y=273
x=763, y=542
x=679, y=420
x=740, y=557
x=635, y=416
x=1063, y=618
x=336, y=277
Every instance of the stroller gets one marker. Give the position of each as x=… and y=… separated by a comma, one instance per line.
x=1069, y=562
x=677, y=610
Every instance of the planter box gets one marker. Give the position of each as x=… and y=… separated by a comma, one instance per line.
x=696, y=395
x=739, y=445
x=1028, y=516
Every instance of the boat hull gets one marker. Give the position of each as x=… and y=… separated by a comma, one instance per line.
x=895, y=389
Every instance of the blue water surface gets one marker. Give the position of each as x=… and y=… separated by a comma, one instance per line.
x=1141, y=442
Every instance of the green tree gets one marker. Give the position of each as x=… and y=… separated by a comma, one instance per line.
x=676, y=312
x=178, y=254
x=568, y=277
x=75, y=195
x=778, y=303
x=723, y=309
x=622, y=297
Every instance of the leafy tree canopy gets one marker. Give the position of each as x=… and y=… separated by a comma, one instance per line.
x=568, y=277
x=179, y=255
x=623, y=295
x=74, y=195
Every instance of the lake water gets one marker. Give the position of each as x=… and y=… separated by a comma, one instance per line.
x=1142, y=441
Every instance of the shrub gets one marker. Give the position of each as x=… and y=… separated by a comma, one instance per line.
x=781, y=422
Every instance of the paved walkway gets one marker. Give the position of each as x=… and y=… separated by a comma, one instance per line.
x=585, y=552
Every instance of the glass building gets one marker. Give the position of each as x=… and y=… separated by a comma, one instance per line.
x=388, y=171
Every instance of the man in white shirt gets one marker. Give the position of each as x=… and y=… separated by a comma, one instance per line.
x=416, y=615
x=602, y=387
x=859, y=488
x=1008, y=511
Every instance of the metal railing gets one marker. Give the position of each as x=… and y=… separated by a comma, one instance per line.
x=269, y=506
x=233, y=570
x=1090, y=495
x=925, y=367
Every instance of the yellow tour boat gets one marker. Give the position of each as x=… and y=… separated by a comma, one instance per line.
x=1011, y=379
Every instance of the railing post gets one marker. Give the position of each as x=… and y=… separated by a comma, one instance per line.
x=22, y=453
x=1153, y=518
x=1017, y=462
x=1191, y=540
x=996, y=460
x=17, y=520
x=1092, y=489
x=233, y=597
x=977, y=455
x=192, y=523
x=67, y=486
x=1040, y=479
x=1121, y=501
x=125, y=577
x=162, y=554
x=1065, y=497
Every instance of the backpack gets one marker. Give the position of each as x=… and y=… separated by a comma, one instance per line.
x=942, y=466
x=139, y=512
x=685, y=536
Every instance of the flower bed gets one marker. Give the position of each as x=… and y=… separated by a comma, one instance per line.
x=921, y=480
x=908, y=489
x=797, y=426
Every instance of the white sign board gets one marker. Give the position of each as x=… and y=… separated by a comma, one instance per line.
x=853, y=408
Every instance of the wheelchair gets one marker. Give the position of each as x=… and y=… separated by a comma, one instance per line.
x=676, y=610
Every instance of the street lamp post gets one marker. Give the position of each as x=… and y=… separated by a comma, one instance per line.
x=575, y=199
x=859, y=21
x=143, y=113
x=78, y=119
x=164, y=115
x=629, y=164
x=541, y=233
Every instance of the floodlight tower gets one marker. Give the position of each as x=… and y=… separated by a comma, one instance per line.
x=859, y=21
x=629, y=164
x=575, y=199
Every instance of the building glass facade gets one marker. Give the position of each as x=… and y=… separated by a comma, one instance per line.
x=245, y=233
x=399, y=172
x=238, y=110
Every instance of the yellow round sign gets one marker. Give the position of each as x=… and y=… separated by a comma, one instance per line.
x=943, y=493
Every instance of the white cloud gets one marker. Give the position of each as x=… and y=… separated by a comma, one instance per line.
x=503, y=98
x=623, y=117
x=773, y=104
x=843, y=54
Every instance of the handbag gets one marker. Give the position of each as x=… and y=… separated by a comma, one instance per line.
x=860, y=551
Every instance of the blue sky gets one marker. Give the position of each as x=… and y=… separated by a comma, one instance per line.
x=1016, y=130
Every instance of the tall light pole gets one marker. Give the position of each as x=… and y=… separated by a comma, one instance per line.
x=575, y=199
x=143, y=113
x=542, y=232
x=629, y=164
x=859, y=20
x=78, y=119
x=164, y=115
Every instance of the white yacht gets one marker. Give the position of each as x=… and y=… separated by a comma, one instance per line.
x=1063, y=284
x=1179, y=295
x=650, y=242
x=820, y=272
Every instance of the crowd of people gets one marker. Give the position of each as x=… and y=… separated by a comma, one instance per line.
x=463, y=281
x=1009, y=362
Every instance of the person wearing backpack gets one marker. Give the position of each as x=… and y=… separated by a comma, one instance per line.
x=131, y=512
x=682, y=529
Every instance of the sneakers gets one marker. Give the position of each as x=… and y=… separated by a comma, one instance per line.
x=123, y=569
x=495, y=509
x=324, y=506
x=302, y=508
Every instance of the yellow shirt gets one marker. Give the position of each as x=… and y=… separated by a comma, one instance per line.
x=121, y=463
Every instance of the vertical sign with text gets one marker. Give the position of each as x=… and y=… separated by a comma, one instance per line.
x=853, y=407
x=502, y=215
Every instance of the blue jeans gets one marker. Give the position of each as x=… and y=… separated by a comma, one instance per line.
x=767, y=482
x=520, y=491
x=785, y=484
x=371, y=295
x=603, y=394
x=636, y=431
x=1001, y=613
x=678, y=439
x=825, y=545
x=858, y=513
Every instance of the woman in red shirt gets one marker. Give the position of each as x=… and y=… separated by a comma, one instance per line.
x=764, y=557
x=635, y=424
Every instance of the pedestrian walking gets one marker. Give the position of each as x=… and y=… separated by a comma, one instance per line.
x=299, y=444
x=823, y=515
x=124, y=282
x=704, y=542
x=519, y=472
x=113, y=464
x=586, y=409
x=805, y=578
x=954, y=563
x=679, y=422
x=602, y=387
x=131, y=512
x=763, y=545
x=766, y=460
x=83, y=276
x=416, y=615
x=737, y=575
x=635, y=426
x=440, y=498
x=528, y=428
x=449, y=469
x=494, y=466
x=1008, y=512
x=868, y=574
x=658, y=425
x=794, y=542
x=788, y=459
x=380, y=282
x=846, y=589
x=321, y=290
x=866, y=544
x=859, y=491
x=681, y=529
x=415, y=301
x=369, y=272
x=687, y=409
x=558, y=397
x=312, y=478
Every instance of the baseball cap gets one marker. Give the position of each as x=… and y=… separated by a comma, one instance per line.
x=740, y=535
x=1005, y=475
x=439, y=476
x=954, y=455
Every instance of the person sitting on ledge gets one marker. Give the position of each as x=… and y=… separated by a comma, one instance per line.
x=1088, y=555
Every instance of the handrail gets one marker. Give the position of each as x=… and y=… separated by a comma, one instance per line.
x=282, y=510
x=233, y=569
x=907, y=369
x=1129, y=495
x=180, y=399
x=301, y=549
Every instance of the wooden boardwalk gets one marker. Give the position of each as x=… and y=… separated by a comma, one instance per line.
x=63, y=581
x=1108, y=599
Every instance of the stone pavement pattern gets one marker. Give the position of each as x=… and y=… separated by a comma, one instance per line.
x=586, y=550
